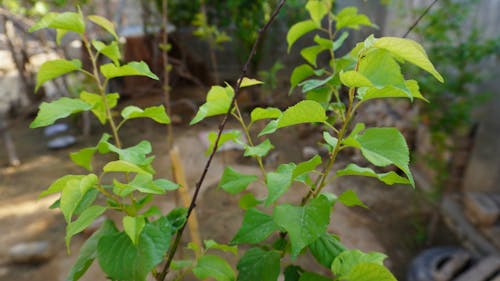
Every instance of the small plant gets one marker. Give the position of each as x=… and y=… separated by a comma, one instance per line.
x=277, y=233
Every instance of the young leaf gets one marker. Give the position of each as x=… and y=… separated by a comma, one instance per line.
x=350, y=199
x=73, y=193
x=68, y=21
x=310, y=54
x=157, y=113
x=349, y=17
x=312, y=84
x=270, y=128
x=340, y=41
x=133, y=227
x=385, y=146
x=248, y=201
x=304, y=224
x=234, y=182
x=389, y=178
x=354, y=79
x=61, y=108
x=259, y=150
x=134, y=68
x=381, y=69
x=112, y=51
x=325, y=249
x=278, y=182
x=330, y=140
x=55, y=68
x=123, y=166
x=88, y=251
x=211, y=244
x=259, y=264
x=410, y=51
x=260, y=113
x=98, y=106
x=390, y=91
x=256, y=227
x=84, y=220
x=210, y=266
x=370, y=272
x=300, y=73
x=248, y=82
x=58, y=185
x=317, y=10
x=345, y=262
x=306, y=167
x=218, y=102
x=306, y=111
x=298, y=30
x=104, y=23
x=120, y=259
x=230, y=135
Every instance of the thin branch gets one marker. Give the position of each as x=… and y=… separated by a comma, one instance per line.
x=243, y=74
x=425, y=12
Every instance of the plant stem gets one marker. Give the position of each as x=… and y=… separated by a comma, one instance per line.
x=243, y=74
x=102, y=91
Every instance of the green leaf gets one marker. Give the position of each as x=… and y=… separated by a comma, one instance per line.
x=340, y=41
x=211, y=244
x=210, y=266
x=58, y=185
x=248, y=82
x=325, y=249
x=310, y=54
x=270, y=128
x=229, y=135
x=259, y=150
x=350, y=199
x=345, y=262
x=133, y=226
x=317, y=10
x=370, y=272
x=55, y=68
x=248, y=201
x=298, y=30
x=312, y=84
x=135, y=154
x=73, y=193
x=145, y=184
x=65, y=21
x=300, y=73
x=84, y=220
x=157, y=113
x=311, y=276
x=88, y=251
x=61, y=108
x=120, y=259
x=112, y=51
x=304, y=224
x=385, y=146
x=292, y=273
x=330, y=140
x=234, y=182
x=278, y=182
x=354, y=79
x=410, y=51
x=134, y=68
x=321, y=95
x=306, y=111
x=260, y=113
x=259, y=264
x=98, y=105
x=306, y=167
x=218, y=102
x=389, y=178
x=104, y=23
x=123, y=166
x=390, y=91
x=381, y=69
x=349, y=17
x=256, y=227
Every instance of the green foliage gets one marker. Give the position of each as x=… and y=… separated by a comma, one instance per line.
x=276, y=231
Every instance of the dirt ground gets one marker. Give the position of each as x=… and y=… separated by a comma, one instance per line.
x=395, y=222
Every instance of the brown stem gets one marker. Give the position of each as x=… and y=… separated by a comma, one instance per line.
x=419, y=18
x=243, y=74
